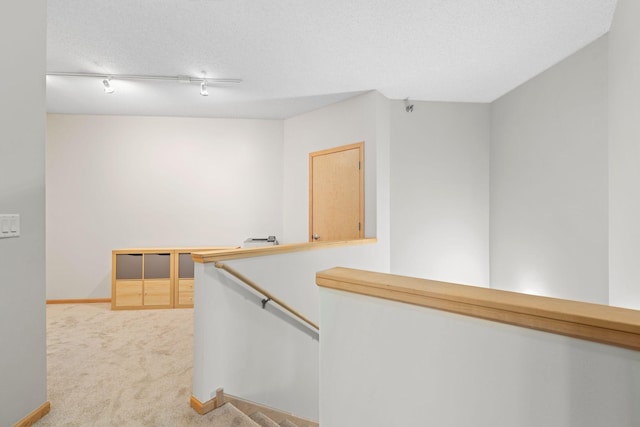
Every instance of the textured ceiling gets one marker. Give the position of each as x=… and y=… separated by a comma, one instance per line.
x=297, y=55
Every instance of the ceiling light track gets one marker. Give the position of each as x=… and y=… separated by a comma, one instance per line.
x=179, y=79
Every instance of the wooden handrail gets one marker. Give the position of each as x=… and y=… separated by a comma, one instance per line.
x=266, y=293
x=594, y=322
x=226, y=255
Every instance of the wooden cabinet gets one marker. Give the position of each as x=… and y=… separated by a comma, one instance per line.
x=156, y=285
x=184, y=279
x=142, y=279
x=126, y=286
x=153, y=278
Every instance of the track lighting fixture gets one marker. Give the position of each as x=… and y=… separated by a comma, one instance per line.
x=407, y=106
x=107, y=85
x=108, y=88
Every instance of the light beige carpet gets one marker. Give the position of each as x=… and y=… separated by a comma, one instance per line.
x=122, y=368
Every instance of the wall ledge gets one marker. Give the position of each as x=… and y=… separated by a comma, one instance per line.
x=593, y=322
x=213, y=256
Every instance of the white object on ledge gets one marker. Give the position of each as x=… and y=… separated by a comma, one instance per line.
x=252, y=242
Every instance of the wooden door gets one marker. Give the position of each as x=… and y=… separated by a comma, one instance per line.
x=336, y=193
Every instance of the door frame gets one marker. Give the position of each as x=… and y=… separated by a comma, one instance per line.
x=360, y=147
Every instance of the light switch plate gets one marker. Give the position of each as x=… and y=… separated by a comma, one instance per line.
x=9, y=225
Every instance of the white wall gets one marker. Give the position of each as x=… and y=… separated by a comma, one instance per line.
x=344, y=123
x=440, y=191
x=384, y=363
x=549, y=181
x=257, y=354
x=23, y=373
x=624, y=155
x=117, y=182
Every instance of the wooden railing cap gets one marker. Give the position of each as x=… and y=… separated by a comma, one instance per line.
x=601, y=323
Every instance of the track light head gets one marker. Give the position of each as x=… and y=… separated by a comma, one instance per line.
x=107, y=85
x=408, y=107
x=203, y=88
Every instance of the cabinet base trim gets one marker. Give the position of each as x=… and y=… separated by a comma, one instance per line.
x=143, y=307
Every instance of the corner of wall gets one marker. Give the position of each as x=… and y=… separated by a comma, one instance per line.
x=624, y=166
x=22, y=191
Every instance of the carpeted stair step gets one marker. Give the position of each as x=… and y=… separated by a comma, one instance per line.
x=229, y=415
x=263, y=420
x=264, y=416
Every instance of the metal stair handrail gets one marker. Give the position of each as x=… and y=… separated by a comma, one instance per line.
x=268, y=296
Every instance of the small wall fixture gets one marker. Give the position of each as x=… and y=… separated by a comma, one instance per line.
x=203, y=89
x=107, y=85
x=408, y=107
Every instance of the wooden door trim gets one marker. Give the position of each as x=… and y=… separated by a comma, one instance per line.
x=360, y=147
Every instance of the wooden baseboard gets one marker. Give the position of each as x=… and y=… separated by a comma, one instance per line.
x=203, y=408
x=78, y=301
x=34, y=416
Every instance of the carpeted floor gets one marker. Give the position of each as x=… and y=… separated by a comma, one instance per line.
x=121, y=368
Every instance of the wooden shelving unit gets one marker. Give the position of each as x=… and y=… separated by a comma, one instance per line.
x=153, y=277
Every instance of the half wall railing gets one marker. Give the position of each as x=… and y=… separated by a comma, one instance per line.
x=269, y=356
x=467, y=356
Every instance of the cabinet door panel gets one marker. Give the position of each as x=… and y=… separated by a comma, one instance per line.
x=128, y=293
x=185, y=292
x=157, y=292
